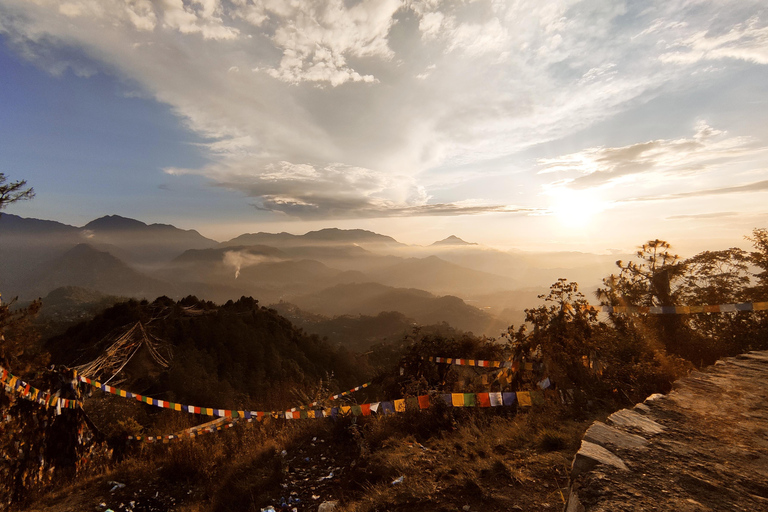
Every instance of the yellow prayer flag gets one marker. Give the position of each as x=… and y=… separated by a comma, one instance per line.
x=524, y=398
x=400, y=405
x=457, y=399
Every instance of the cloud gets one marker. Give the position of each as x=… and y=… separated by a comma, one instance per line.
x=363, y=108
x=317, y=36
x=338, y=190
x=715, y=215
x=746, y=41
x=758, y=186
x=601, y=166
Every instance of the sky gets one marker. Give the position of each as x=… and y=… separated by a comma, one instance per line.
x=560, y=125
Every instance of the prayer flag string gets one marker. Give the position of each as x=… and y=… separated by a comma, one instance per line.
x=11, y=383
x=335, y=397
x=483, y=400
x=680, y=310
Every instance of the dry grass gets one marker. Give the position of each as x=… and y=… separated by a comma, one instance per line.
x=489, y=462
x=448, y=458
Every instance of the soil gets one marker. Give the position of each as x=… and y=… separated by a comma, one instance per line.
x=711, y=456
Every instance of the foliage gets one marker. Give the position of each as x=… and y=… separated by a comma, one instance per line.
x=564, y=332
x=759, y=258
x=708, y=278
x=647, y=283
x=237, y=355
x=14, y=191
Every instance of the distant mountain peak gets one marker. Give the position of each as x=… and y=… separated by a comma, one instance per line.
x=114, y=222
x=453, y=240
x=348, y=235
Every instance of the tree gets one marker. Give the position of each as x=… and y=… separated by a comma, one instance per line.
x=649, y=283
x=14, y=191
x=565, y=331
x=759, y=258
x=711, y=278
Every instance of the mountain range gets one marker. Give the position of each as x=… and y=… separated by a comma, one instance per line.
x=332, y=272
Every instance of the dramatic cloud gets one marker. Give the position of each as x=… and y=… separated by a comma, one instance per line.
x=339, y=190
x=601, y=166
x=342, y=108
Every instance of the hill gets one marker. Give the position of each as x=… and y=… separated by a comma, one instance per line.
x=452, y=240
x=439, y=276
x=26, y=245
x=144, y=243
x=360, y=332
x=87, y=267
x=328, y=236
x=423, y=307
x=219, y=354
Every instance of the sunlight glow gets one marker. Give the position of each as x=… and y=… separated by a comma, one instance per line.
x=575, y=208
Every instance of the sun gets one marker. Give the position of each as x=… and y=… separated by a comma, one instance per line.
x=575, y=208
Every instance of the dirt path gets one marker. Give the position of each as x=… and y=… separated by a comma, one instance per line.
x=702, y=447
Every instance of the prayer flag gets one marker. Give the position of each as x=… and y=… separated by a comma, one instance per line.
x=524, y=398
x=509, y=398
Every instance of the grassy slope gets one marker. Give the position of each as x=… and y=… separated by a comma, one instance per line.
x=448, y=458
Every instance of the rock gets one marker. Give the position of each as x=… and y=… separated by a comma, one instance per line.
x=642, y=408
x=327, y=506
x=632, y=419
x=699, y=459
x=602, y=434
x=574, y=505
x=590, y=455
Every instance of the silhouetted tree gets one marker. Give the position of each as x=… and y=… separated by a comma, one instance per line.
x=649, y=283
x=14, y=191
x=759, y=258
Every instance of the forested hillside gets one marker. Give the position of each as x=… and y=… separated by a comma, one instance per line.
x=238, y=355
